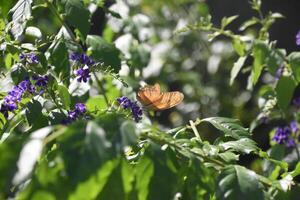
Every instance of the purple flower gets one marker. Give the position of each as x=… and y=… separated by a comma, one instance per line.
x=82, y=58
x=33, y=58
x=26, y=85
x=281, y=135
x=41, y=81
x=73, y=115
x=298, y=38
x=124, y=102
x=290, y=143
x=14, y=96
x=80, y=108
x=294, y=126
x=279, y=72
x=22, y=57
x=83, y=74
x=136, y=110
x=296, y=101
x=74, y=56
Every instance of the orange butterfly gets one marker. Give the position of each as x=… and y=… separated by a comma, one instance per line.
x=152, y=97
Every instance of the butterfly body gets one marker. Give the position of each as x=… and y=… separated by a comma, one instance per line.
x=153, y=98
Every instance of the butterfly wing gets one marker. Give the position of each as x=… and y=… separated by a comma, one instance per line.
x=149, y=94
x=167, y=100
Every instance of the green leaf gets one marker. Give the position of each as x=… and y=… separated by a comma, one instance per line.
x=104, y=51
x=244, y=145
x=34, y=115
x=96, y=103
x=227, y=20
x=144, y=173
x=92, y=187
x=236, y=182
x=229, y=156
x=275, y=59
x=260, y=52
x=21, y=13
x=296, y=171
x=64, y=96
x=284, y=91
x=239, y=46
x=77, y=15
x=9, y=155
x=249, y=23
x=59, y=58
x=236, y=68
x=128, y=176
x=230, y=127
x=294, y=61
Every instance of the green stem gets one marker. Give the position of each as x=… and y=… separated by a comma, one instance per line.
x=158, y=139
x=195, y=130
x=101, y=88
x=56, y=13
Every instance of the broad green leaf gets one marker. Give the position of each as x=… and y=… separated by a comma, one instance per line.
x=236, y=182
x=77, y=15
x=92, y=187
x=21, y=14
x=144, y=173
x=34, y=115
x=128, y=176
x=275, y=59
x=229, y=156
x=40, y=194
x=284, y=91
x=96, y=103
x=104, y=51
x=260, y=52
x=9, y=155
x=239, y=46
x=294, y=61
x=59, y=58
x=296, y=171
x=243, y=145
x=64, y=96
x=230, y=127
x=236, y=68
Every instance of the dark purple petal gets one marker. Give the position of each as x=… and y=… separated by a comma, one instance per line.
x=80, y=108
x=33, y=58
x=82, y=74
x=296, y=101
x=294, y=126
x=298, y=38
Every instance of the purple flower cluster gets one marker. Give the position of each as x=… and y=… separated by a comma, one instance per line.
x=283, y=135
x=83, y=73
x=13, y=97
x=136, y=110
x=298, y=38
x=73, y=115
x=30, y=57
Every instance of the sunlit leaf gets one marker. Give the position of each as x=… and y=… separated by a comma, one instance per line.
x=230, y=127
x=237, y=182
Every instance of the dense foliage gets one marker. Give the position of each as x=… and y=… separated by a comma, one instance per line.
x=71, y=127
